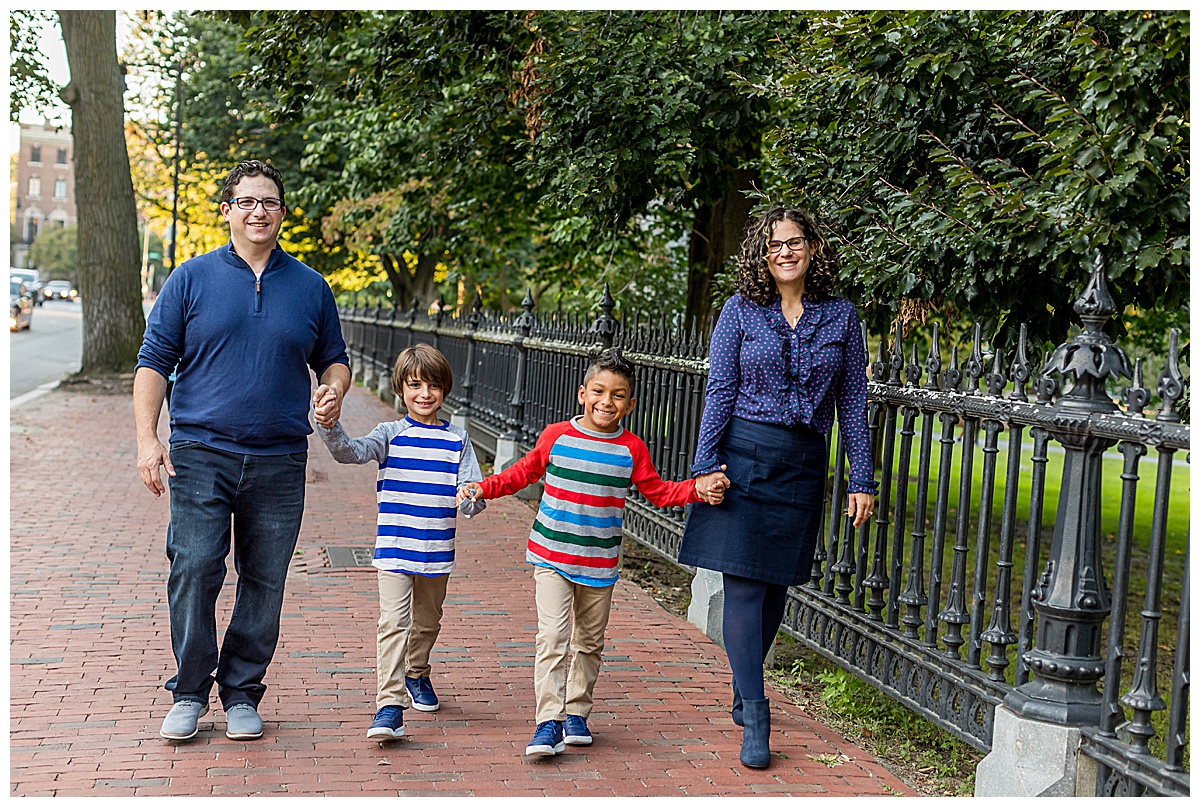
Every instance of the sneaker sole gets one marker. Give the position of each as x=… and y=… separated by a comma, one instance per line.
x=544, y=750
x=243, y=735
x=178, y=737
x=423, y=707
x=387, y=734
x=577, y=740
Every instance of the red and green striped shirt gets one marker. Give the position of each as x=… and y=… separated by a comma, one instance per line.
x=578, y=528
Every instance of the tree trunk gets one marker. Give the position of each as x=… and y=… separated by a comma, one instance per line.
x=407, y=284
x=715, y=236
x=398, y=280
x=109, y=259
x=423, y=287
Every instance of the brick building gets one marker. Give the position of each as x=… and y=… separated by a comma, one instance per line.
x=45, y=185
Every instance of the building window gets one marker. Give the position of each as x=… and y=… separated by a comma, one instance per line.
x=31, y=230
x=35, y=186
x=62, y=157
x=60, y=189
x=35, y=154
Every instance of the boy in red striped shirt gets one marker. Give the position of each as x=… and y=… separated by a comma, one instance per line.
x=589, y=463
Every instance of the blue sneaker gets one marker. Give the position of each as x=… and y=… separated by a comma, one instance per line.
x=577, y=731
x=424, y=699
x=547, y=740
x=388, y=722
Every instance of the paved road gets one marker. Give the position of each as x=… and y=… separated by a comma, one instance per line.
x=90, y=651
x=50, y=349
x=47, y=351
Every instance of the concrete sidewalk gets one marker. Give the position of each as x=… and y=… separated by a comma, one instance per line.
x=90, y=650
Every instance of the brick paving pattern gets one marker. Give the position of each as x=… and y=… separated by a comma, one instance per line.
x=90, y=650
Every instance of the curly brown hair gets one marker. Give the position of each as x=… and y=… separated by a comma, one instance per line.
x=754, y=279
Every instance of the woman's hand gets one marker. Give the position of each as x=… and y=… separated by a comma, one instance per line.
x=861, y=506
x=711, y=487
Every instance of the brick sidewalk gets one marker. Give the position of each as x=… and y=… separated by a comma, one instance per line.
x=90, y=650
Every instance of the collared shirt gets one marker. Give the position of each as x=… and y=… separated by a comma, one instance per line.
x=762, y=369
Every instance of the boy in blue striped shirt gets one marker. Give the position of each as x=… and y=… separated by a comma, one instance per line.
x=423, y=461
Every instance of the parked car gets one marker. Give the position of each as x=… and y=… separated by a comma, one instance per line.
x=33, y=282
x=60, y=290
x=20, y=302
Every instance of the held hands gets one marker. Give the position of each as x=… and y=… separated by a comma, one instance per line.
x=151, y=454
x=860, y=508
x=327, y=406
x=471, y=490
x=711, y=487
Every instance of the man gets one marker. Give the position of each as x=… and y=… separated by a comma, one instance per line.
x=240, y=326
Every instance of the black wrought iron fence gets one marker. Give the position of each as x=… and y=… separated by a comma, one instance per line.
x=983, y=578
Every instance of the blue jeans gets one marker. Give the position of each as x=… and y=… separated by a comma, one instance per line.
x=263, y=497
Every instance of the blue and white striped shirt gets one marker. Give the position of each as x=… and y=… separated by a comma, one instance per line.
x=420, y=470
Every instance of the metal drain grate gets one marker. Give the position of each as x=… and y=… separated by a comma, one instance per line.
x=350, y=557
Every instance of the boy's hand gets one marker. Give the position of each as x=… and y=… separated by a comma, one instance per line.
x=711, y=487
x=471, y=490
x=326, y=406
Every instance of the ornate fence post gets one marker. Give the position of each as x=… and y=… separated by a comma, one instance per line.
x=1036, y=733
x=605, y=327
x=462, y=415
x=506, y=444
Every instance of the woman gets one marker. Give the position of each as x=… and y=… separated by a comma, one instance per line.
x=783, y=354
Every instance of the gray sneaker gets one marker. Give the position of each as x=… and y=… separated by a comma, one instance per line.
x=243, y=722
x=180, y=723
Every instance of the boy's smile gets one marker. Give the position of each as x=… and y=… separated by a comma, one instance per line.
x=605, y=398
x=422, y=400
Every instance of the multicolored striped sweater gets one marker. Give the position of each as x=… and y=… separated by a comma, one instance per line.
x=577, y=531
x=420, y=470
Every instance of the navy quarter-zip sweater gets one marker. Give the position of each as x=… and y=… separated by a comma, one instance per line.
x=243, y=348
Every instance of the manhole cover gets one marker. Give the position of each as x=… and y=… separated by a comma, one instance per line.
x=350, y=557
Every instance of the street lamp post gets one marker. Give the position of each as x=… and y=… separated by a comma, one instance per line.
x=175, y=186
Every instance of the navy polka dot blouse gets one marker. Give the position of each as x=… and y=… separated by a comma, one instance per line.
x=762, y=369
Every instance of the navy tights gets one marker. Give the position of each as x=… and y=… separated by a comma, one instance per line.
x=753, y=612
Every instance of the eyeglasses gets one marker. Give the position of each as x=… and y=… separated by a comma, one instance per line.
x=270, y=204
x=794, y=244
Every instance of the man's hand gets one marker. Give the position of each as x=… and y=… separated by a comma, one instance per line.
x=711, y=487
x=151, y=454
x=327, y=397
x=860, y=508
x=327, y=406
x=471, y=490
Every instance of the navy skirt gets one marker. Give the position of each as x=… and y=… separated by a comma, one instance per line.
x=767, y=527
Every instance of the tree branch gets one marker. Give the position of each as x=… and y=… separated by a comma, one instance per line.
x=928, y=206
x=1048, y=142
x=1062, y=100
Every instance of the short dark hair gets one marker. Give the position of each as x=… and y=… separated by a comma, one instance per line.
x=425, y=363
x=609, y=360
x=250, y=168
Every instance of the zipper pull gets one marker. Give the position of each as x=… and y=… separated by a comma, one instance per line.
x=257, y=286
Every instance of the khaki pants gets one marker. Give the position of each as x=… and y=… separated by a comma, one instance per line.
x=410, y=618
x=557, y=693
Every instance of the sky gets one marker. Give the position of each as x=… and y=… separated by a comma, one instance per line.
x=56, y=63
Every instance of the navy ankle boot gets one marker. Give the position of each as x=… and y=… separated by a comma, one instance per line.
x=756, y=749
x=736, y=713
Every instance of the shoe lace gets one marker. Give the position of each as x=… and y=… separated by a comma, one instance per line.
x=388, y=712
